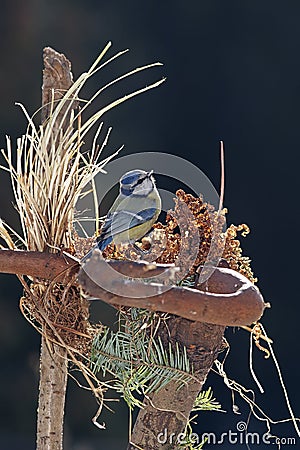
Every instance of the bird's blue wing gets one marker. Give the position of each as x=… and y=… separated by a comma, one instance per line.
x=121, y=221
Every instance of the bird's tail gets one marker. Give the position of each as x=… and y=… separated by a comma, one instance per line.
x=103, y=243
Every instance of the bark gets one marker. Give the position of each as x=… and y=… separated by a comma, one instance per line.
x=57, y=79
x=52, y=392
x=49, y=266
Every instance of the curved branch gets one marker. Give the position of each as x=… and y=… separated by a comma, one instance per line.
x=241, y=304
x=227, y=298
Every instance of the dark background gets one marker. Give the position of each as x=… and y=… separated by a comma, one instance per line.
x=233, y=74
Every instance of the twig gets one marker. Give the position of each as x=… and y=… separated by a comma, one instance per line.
x=222, y=184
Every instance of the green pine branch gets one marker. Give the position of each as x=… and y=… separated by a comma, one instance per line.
x=138, y=364
x=205, y=401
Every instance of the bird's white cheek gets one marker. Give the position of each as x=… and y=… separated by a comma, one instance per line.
x=142, y=192
x=144, y=189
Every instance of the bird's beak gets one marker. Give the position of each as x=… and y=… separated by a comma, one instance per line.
x=149, y=173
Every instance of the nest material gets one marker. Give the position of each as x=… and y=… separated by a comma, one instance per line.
x=61, y=313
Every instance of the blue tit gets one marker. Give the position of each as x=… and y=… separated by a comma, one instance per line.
x=134, y=211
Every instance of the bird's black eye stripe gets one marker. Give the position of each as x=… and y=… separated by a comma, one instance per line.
x=139, y=181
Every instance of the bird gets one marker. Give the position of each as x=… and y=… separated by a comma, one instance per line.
x=134, y=211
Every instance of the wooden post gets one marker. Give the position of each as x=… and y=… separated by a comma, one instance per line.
x=57, y=78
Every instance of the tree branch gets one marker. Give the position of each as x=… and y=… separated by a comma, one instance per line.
x=167, y=411
x=232, y=299
x=37, y=264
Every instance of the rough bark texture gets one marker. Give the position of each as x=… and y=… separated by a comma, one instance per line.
x=52, y=392
x=57, y=78
x=167, y=411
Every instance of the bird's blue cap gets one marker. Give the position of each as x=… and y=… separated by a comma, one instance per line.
x=130, y=179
